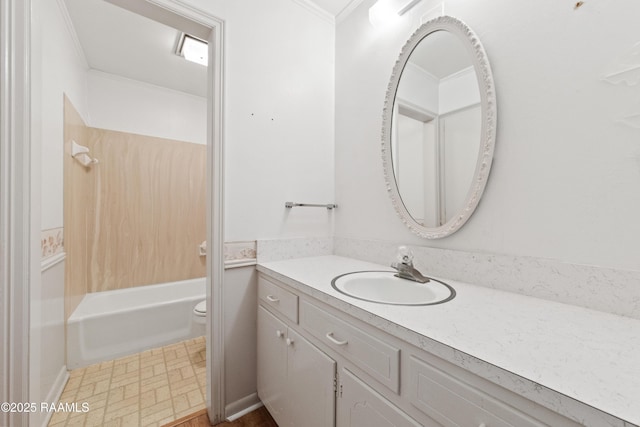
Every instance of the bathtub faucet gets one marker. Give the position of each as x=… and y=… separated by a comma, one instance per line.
x=405, y=267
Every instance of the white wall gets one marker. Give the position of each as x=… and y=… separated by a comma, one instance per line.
x=56, y=69
x=419, y=88
x=458, y=91
x=240, y=302
x=126, y=105
x=279, y=132
x=566, y=176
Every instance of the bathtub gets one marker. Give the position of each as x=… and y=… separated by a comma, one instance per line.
x=112, y=324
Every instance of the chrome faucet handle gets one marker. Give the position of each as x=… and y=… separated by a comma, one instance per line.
x=404, y=255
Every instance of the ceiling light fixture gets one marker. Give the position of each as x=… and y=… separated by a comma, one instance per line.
x=193, y=49
x=384, y=12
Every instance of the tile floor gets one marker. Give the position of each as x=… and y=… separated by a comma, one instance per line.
x=150, y=388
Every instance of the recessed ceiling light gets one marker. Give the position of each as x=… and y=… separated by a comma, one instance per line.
x=193, y=49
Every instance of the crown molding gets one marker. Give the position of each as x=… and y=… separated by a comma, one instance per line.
x=316, y=10
x=72, y=32
x=349, y=8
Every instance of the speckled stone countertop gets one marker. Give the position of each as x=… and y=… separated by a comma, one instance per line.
x=578, y=362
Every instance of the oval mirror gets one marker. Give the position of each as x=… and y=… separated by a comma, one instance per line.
x=439, y=127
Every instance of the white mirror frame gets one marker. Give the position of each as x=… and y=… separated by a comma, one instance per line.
x=487, y=134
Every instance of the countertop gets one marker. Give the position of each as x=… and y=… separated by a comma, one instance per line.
x=567, y=358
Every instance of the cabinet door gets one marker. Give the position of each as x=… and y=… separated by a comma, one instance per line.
x=361, y=406
x=272, y=364
x=310, y=380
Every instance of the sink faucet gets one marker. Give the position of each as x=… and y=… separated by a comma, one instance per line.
x=405, y=267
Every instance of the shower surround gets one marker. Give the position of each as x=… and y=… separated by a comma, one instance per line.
x=135, y=218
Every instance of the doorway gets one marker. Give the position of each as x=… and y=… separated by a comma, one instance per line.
x=20, y=228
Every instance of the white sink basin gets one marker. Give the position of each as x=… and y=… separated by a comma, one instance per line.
x=385, y=288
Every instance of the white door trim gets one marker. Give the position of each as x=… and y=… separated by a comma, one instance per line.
x=15, y=205
x=216, y=401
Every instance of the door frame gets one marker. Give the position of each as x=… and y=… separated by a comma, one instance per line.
x=15, y=205
x=19, y=223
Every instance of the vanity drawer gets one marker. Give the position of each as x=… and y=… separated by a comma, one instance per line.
x=278, y=298
x=375, y=357
x=452, y=402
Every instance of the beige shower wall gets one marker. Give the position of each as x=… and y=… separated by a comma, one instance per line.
x=78, y=200
x=150, y=207
x=138, y=216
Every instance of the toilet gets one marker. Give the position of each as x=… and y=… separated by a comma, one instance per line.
x=200, y=316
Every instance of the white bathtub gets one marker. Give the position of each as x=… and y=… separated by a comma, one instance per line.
x=112, y=324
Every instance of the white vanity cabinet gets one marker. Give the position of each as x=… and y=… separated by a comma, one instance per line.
x=298, y=382
x=305, y=345
x=295, y=379
x=359, y=405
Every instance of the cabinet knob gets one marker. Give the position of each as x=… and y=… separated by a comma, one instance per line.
x=271, y=298
x=289, y=342
x=279, y=333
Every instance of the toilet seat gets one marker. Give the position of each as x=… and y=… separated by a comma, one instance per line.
x=200, y=309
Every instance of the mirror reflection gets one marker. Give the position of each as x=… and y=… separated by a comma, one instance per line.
x=436, y=129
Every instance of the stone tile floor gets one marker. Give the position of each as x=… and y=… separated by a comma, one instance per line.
x=150, y=388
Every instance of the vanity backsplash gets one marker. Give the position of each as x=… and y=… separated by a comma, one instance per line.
x=604, y=289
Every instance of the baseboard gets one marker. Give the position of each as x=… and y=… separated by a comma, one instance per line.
x=56, y=391
x=242, y=406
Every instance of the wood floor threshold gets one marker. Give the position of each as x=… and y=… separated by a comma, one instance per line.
x=187, y=418
x=257, y=418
